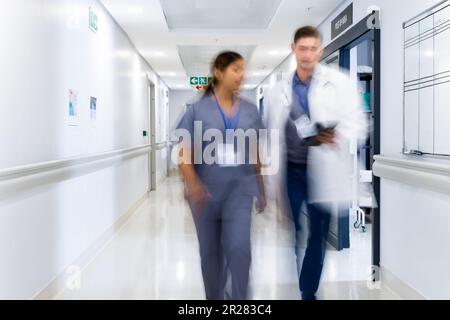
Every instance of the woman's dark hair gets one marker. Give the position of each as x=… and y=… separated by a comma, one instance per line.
x=221, y=62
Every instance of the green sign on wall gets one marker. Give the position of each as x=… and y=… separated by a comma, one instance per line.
x=200, y=81
x=194, y=81
x=93, y=20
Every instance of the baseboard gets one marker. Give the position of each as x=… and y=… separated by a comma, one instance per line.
x=398, y=286
x=58, y=284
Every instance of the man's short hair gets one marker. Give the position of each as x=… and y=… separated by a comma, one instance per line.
x=307, y=32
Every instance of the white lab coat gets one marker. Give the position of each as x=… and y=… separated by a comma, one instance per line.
x=332, y=98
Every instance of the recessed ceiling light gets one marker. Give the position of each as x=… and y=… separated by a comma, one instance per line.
x=135, y=10
x=154, y=54
x=278, y=53
x=123, y=54
x=169, y=74
x=259, y=73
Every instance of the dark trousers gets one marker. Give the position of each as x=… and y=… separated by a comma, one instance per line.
x=319, y=222
x=223, y=230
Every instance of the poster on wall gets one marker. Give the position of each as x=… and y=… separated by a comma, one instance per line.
x=93, y=108
x=73, y=108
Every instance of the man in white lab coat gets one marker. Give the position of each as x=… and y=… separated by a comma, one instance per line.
x=319, y=117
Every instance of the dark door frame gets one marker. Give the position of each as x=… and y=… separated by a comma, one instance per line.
x=351, y=37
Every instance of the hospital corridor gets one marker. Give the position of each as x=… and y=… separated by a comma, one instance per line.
x=211, y=150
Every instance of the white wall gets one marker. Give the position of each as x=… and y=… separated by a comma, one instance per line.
x=178, y=101
x=49, y=49
x=415, y=223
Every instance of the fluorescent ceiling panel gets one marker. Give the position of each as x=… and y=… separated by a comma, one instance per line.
x=219, y=14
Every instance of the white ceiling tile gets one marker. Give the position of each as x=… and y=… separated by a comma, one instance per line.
x=197, y=60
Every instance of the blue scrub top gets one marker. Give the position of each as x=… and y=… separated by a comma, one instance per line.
x=296, y=148
x=301, y=90
x=221, y=180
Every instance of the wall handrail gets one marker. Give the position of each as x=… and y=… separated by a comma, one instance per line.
x=431, y=175
x=36, y=168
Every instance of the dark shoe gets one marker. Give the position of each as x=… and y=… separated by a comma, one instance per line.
x=308, y=296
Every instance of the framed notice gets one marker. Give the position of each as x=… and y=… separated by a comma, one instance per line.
x=72, y=110
x=93, y=108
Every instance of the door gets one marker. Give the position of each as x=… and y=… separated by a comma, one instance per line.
x=357, y=57
x=152, y=130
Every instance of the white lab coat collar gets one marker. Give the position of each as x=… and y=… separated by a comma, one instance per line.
x=320, y=75
x=320, y=78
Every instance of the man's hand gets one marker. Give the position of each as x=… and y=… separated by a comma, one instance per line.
x=327, y=137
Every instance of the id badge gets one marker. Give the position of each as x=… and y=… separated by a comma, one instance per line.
x=227, y=157
x=305, y=128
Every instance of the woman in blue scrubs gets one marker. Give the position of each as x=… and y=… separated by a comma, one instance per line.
x=221, y=194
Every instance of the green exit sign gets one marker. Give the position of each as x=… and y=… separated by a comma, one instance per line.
x=194, y=81
x=201, y=81
x=93, y=20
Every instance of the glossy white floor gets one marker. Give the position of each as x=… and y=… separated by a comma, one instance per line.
x=155, y=256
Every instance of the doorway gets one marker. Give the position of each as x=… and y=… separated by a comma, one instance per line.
x=358, y=51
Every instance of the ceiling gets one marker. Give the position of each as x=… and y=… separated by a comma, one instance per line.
x=179, y=38
x=197, y=59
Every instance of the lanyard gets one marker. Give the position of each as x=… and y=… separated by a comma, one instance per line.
x=228, y=122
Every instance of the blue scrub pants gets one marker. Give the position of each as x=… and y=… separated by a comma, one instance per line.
x=223, y=230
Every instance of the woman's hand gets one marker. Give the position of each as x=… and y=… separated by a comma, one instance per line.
x=197, y=192
x=261, y=203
